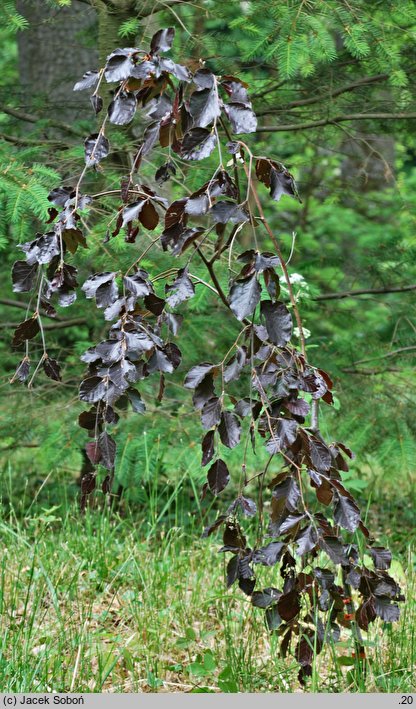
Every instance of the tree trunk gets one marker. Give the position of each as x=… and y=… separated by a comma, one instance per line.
x=109, y=21
x=56, y=49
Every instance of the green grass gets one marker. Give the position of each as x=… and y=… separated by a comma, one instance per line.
x=104, y=603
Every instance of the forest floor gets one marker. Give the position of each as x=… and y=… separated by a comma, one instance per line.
x=98, y=604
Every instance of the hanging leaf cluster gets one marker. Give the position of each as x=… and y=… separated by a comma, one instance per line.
x=264, y=390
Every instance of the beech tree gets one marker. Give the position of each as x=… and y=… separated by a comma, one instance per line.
x=262, y=391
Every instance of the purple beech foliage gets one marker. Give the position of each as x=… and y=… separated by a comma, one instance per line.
x=311, y=538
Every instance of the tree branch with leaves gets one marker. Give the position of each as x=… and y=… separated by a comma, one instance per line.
x=263, y=389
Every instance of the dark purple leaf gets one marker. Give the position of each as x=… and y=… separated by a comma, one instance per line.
x=211, y=413
x=268, y=555
x=203, y=392
x=244, y=296
x=229, y=429
x=381, y=557
x=236, y=89
x=366, y=614
x=89, y=419
x=289, y=522
x=132, y=211
x=72, y=238
x=180, y=290
x=287, y=490
x=43, y=249
x=204, y=78
x=204, y=106
x=247, y=585
x=122, y=108
x=266, y=597
x=387, y=611
x=197, y=144
x=228, y=212
x=162, y=41
x=93, y=452
x=94, y=282
x=119, y=65
x=278, y=322
x=284, y=434
x=282, y=182
x=243, y=407
x=60, y=195
x=106, y=294
x=197, y=206
x=23, y=276
x=306, y=540
x=218, y=477
x=113, y=311
x=22, y=371
x=27, y=330
x=52, y=369
x=160, y=362
x=197, y=374
x=88, y=484
x=138, y=405
x=141, y=340
x=143, y=70
x=248, y=507
x=232, y=570
x=97, y=103
x=148, y=216
x=265, y=261
x=333, y=547
x=214, y=526
x=178, y=70
x=320, y=454
x=272, y=617
x=93, y=389
x=138, y=284
x=298, y=407
x=154, y=304
x=347, y=514
x=288, y=605
x=242, y=118
x=324, y=577
x=208, y=448
x=110, y=351
x=89, y=80
x=185, y=239
x=96, y=149
x=107, y=448
x=164, y=172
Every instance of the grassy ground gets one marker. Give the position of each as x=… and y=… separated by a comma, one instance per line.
x=109, y=604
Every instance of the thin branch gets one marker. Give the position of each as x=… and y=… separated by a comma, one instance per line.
x=30, y=118
x=327, y=96
x=29, y=141
x=369, y=372
x=337, y=119
x=214, y=278
x=365, y=291
x=18, y=304
x=393, y=353
x=50, y=326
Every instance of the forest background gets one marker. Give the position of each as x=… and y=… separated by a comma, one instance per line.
x=127, y=598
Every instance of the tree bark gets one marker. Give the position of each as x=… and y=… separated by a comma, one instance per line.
x=109, y=21
x=54, y=52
